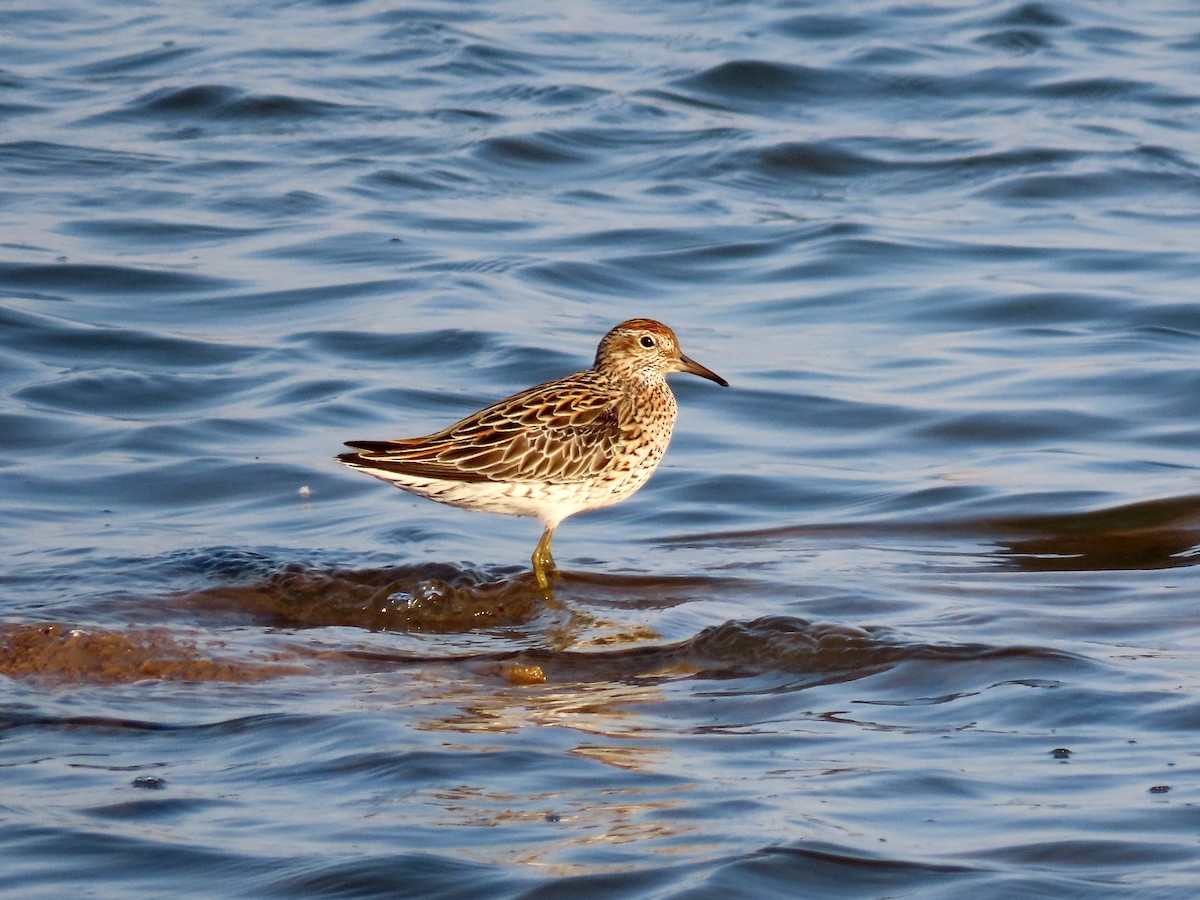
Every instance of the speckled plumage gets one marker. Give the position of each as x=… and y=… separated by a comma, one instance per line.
x=582, y=442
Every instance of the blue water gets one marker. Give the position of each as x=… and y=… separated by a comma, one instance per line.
x=909, y=610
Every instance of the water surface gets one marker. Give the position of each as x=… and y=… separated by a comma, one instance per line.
x=908, y=610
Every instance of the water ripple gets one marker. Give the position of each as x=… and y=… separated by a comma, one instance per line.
x=906, y=610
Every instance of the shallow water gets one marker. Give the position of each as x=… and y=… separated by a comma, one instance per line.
x=907, y=610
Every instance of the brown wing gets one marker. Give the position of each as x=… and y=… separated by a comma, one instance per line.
x=562, y=431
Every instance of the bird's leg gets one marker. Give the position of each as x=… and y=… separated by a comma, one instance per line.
x=543, y=562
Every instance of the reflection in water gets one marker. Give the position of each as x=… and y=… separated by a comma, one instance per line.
x=1155, y=534
x=603, y=710
x=430, y=599
x=525, y=638
x=611, y=817
x=600, y=699
x=593, y=690
x=810, y=653
x=427, y=598
x=61, y=653
x=612, y=731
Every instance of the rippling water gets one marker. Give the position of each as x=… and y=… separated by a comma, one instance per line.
x=909, y=610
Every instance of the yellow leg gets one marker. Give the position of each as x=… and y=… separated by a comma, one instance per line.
x=543, y=562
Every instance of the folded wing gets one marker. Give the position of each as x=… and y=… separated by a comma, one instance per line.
x=557, y=433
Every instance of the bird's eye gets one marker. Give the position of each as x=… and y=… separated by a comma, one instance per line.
x=646, y=341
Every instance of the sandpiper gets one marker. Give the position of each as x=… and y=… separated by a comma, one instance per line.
x=579, y=443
